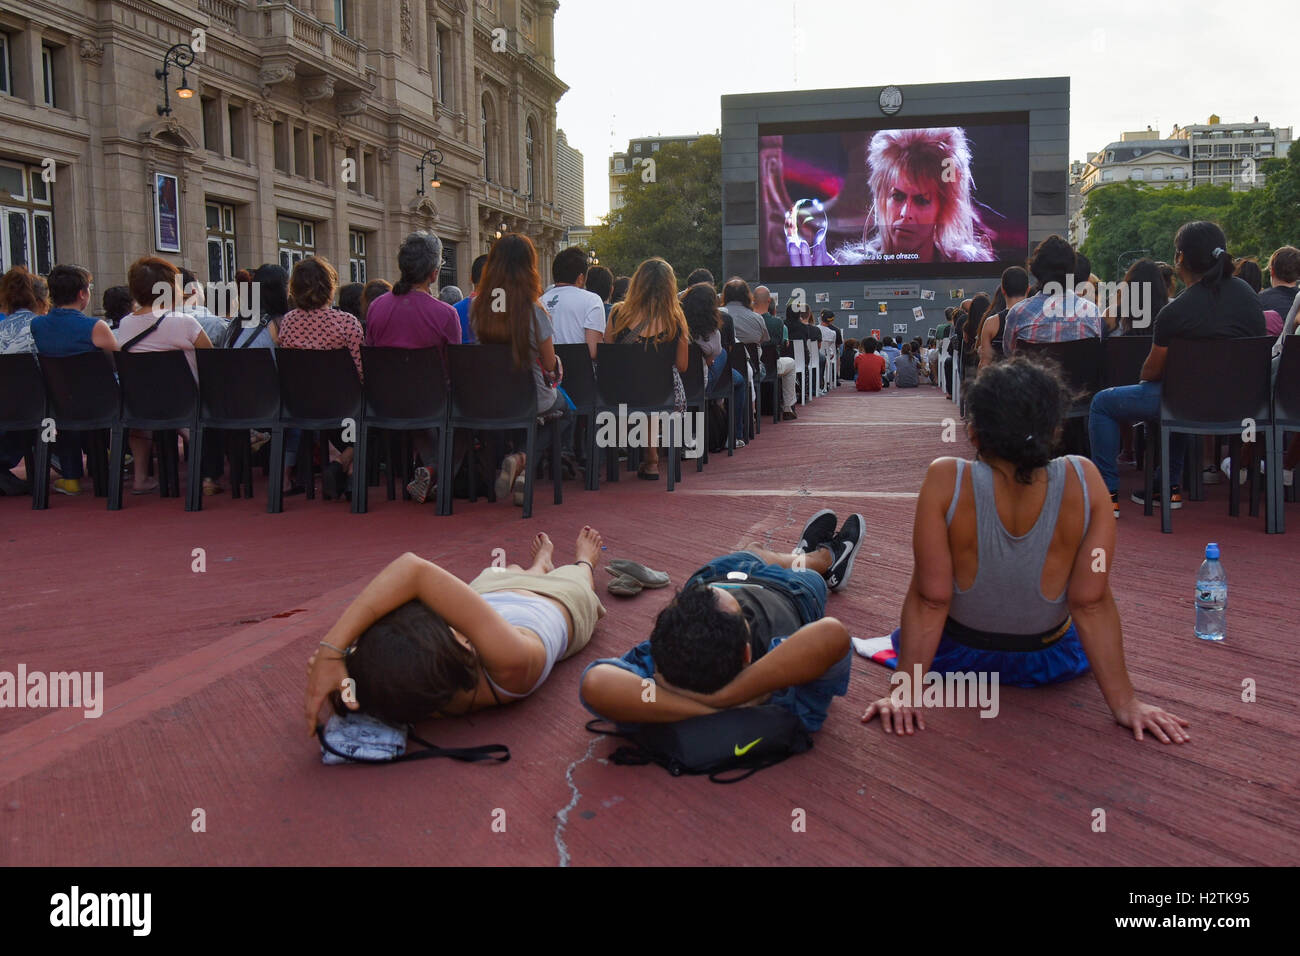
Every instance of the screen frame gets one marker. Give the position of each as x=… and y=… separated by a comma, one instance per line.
x=894, y=270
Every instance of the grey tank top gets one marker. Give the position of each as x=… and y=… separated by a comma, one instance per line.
x=1005, y=597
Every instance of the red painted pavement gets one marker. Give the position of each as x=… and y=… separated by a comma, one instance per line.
x=204, y=682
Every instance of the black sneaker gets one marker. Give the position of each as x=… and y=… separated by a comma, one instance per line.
x=1175, y=497
x=11, y=484
x=844, y=547
x=819, y=530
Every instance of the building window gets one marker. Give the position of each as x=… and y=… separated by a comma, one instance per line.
x=353, y=181
x=442, y=65
x=1157, y=173
x=487, y=140
x=447, y=274
x=371, y=175
x=6, y=73
x=221, y=242
x=654, y=147
x=1137, y=174
x=636, y=148
x=1107, y=175
x=280, y=133
x=297, y=241
x=26, y=219
x=47, y=76
x=300, y=157
x=527, y=25
x=1179, y=172
x=320, y=161
x=238, y=134
x=356, y=256
x=619, y=166
x=529, y=165
x=341, y=16
x=211, y=123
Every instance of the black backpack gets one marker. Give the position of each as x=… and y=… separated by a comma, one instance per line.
x=738, y=742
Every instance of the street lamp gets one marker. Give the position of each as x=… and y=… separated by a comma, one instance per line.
x=1119, y=260
x=182, y=54
x=433, y=156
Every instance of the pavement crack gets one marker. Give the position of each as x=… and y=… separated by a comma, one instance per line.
x=562, y=817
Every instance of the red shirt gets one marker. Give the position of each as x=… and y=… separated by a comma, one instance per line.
x=871, y=370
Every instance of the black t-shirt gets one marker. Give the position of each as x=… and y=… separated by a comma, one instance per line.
x=1000, y=319
x=1233, y=312
x=1278, y=298
x=770, y=612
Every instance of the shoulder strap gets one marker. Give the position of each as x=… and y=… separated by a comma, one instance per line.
x=1083, y=484
x=262, y=324
x=956, y=491
x=131, y=343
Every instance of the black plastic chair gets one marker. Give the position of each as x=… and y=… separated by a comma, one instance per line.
x=84, y=397
x=239, y=389
x=580, y=385
x=1286, y=420
x=740, y=360
x=1080, y=362
x=23, y=409
x=159, y=394
x=697, y=402
x=769, y=356
x=319, y=392
x=639, y=378
x=1211, y=387
x=1125, y=356
x=489, y=394
x=405, y=390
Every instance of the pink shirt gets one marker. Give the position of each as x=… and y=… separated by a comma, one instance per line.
x=415, y=320
x=322, y=329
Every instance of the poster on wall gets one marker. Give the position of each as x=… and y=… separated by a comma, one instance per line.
x=900, y=328
x=882, y=308
x=927, y=294
x=846, y=304
x=166, y=213
x=823, y=296
x=918, y=313
x=853, y=321
x=875, y=334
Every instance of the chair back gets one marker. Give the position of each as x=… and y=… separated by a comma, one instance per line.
x=404, y=385
x=1125, y=356
x=238, y=388
x=158, y=390
x=579, y=375
x=487, y=388
x=1210, y=381
x=693, y=378
x=82, y=390
x=636, y=375
x=22, y=392
x=318, y=387
x=1080, y=362
x=1286, y=393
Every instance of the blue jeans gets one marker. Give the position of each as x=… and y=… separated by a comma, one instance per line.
x=1113, y=407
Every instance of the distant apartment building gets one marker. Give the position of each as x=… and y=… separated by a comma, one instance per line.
x=569, y=196
x=622, y=165
x=1229, y=153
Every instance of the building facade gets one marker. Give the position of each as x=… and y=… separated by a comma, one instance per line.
x=1229, y=153
x=570, y=186
x=303, y=135
x=622, y=165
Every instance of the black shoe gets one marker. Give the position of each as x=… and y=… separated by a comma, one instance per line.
x=844, y=547
x=1175, y=497
x=819, y=530
x=333, y=481
x=789, y=416
x=11, y=484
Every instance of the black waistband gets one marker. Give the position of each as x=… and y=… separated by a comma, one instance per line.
x=991, y=641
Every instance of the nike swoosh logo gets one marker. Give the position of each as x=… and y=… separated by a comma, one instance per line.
x=741, y=751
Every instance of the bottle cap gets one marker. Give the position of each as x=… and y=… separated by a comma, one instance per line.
x=1212, y=551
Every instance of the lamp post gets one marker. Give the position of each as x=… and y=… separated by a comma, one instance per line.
x=181, y=54
x=433, y=156
x=1119, y=260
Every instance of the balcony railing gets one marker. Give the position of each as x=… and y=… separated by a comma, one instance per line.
x=287, y=30
x=224, y=12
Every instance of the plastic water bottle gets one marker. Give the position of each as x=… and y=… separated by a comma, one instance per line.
x=1211, y=596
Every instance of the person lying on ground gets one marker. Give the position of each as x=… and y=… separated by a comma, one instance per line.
x=747, y=628
x=1012, y=564
x=419, y=643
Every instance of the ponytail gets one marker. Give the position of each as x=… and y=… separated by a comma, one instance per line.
x=1203, y=247
x=402, y=287
x=1220, y=272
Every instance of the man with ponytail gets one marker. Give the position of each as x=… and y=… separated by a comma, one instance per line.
x=1215, y=305
x=412, y=316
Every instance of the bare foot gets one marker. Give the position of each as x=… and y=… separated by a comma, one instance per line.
x=588, y=546
x=541, y=552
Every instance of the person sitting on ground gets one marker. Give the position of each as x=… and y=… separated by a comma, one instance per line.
x=652, y=315
x=578, y=316
x=700, y=306
x=313, y=324
x=410, y=317
x=847, y=367
x=154, y=325
x=1012, y=565
x=600, y=283
x=1056, y=313
x=464, y=305
x=419, y=643
x=66, y=330
x=1214, y=305
x=907, y=371
x=747, y=628
x=1284, y=279
x=870, y=367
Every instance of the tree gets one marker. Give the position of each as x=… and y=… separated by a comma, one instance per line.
x=1124, y=217
x=672, y=210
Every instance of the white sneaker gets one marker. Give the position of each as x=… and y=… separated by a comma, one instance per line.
x=1242, y=474
x=1288, y=477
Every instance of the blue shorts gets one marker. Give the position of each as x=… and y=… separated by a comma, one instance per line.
x=1064, y=660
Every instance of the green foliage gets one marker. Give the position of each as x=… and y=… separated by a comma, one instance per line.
x=677, y=217
x=1123, y=217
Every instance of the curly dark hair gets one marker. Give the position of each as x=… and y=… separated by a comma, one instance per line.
x=408, y=665
x=696, y=645
x=700, y=304
x=1015, y=408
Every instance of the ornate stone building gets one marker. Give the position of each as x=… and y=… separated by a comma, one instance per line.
x=304, y=132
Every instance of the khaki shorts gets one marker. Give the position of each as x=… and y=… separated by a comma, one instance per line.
x=566, y=584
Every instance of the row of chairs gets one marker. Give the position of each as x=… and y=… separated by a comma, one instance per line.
x=319, y=393
x=1210, y=387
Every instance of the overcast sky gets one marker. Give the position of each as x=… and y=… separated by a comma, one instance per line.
x=648, y=67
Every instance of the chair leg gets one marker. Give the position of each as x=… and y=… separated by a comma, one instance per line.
x=1166, y=513
x=731, y=422
x=116, y=453
x=557, y=465
x=671, y=456
x=530, y=468
x=444, y=471
x=1150, y=469
x=194, y=473
x=593, y=453
x=1276, y=504
x=1234, y=462
x=391, y=464
x=306, y=472
x=39, y=475
x=360, y=463
x=275, y=480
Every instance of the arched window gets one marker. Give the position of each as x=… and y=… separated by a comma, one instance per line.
x=530, y=166
x=487, y=141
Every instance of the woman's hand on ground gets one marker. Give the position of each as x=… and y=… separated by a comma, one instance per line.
x=1164, y=726
x=325, y=674
x=894, y=718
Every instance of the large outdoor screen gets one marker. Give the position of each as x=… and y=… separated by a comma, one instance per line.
x=929, y=196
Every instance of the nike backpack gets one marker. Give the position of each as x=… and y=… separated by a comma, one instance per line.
x=727, y=746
